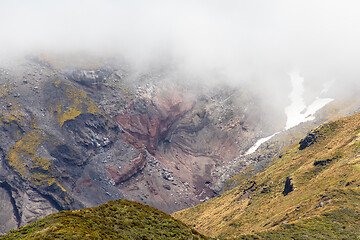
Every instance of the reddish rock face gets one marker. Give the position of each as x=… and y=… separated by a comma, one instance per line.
x=189, y=139
x=161, y=112
x=122, y=175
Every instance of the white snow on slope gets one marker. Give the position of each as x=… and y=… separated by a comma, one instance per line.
x=258, y=143
x=297, y=112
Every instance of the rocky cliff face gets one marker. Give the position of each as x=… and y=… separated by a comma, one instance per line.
x=74, y=136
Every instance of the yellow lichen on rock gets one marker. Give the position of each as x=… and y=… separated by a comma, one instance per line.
x=6, y=89
x=12, y=117
x=73, y=103
x=24, y=148
x=7, y=97
x=24, y=159
x=66, y=198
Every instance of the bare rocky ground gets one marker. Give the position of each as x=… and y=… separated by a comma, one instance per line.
x=77, y=134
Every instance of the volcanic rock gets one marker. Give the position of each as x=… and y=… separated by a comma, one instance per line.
x=90, y=135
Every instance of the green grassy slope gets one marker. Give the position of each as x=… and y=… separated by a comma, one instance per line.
x=120, y=219
x=324, y=203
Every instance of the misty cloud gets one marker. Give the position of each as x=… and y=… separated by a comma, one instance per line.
x=257, y=42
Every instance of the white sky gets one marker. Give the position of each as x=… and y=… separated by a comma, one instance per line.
x=257, y=41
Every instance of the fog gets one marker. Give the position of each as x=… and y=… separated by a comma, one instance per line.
x=254, y=42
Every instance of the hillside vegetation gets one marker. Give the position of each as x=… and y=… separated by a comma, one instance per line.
x=120, y=219
x=310, y=191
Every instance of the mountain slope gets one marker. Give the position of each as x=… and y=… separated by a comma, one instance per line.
x=310, y=191
x=120, y=219
x=78, y=134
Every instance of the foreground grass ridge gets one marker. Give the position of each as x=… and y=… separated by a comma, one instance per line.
x=119, y=219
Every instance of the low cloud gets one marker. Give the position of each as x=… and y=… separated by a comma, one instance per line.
x=254, y=42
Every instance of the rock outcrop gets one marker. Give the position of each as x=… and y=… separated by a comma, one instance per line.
x=288, y=186
x=308, y=140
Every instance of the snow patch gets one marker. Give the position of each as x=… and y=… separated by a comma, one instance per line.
x=258, y=144
x=297, y=112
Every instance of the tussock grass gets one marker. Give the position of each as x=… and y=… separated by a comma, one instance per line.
x=120, y=219
x=326, y=181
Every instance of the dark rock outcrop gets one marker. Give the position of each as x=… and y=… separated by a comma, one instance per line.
x=322, y=162
x=288, y=188
x=308, y=140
